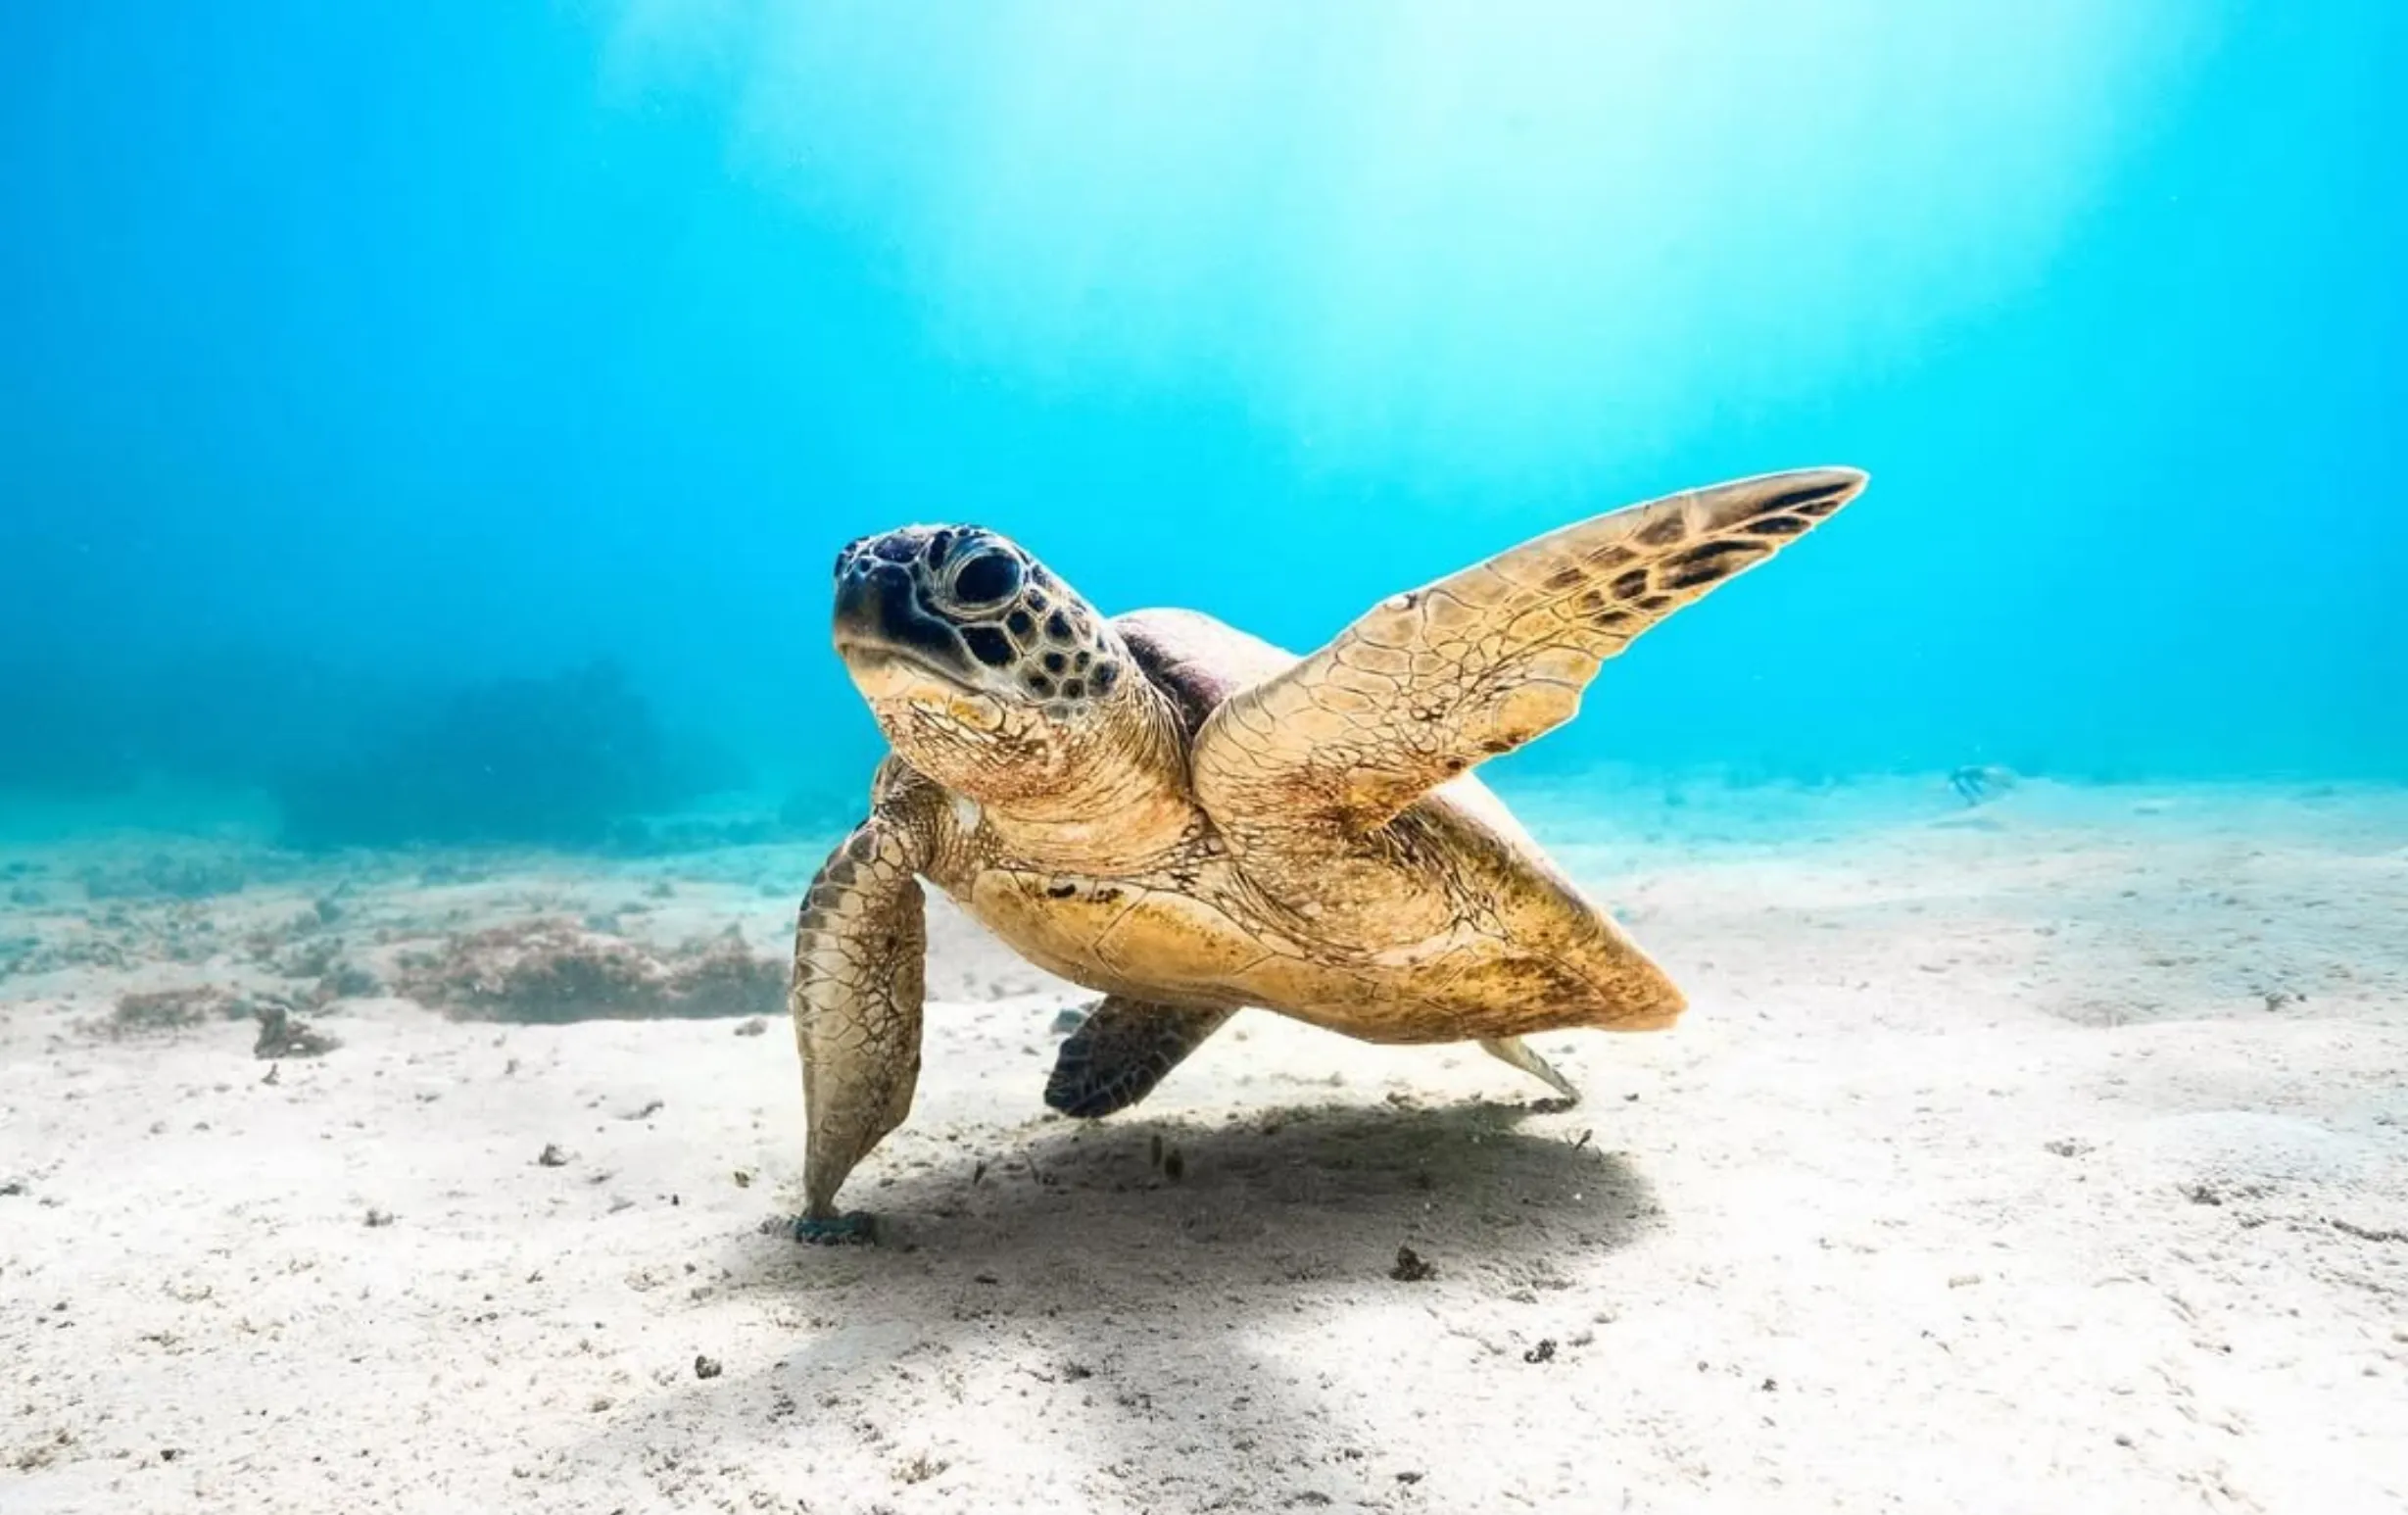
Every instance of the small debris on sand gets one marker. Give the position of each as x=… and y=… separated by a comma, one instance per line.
x=283, y=1036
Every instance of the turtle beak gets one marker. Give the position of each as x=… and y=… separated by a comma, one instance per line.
x=861, y=594
x=879, y=618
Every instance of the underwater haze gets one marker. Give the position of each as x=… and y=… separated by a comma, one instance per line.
x=439, y=421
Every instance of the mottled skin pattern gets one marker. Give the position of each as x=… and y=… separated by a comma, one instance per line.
x=1188, y=820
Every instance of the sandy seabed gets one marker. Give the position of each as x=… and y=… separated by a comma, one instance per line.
x=2045, y=1155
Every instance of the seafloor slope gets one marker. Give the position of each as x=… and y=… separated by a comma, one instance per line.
x=2049, y=1154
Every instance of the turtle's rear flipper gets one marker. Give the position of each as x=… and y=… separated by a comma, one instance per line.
x=1513, y=1050
x=1122, y=1050
x=860, y=946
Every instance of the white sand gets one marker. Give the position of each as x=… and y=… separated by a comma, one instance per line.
x=1982, y=1176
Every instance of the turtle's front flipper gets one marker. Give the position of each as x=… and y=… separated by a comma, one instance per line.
x=1430, y=684
x=861, y=947
x=1122, y=1050
x=1513, y=1050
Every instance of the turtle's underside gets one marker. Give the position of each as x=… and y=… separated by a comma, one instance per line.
x=1188, y=820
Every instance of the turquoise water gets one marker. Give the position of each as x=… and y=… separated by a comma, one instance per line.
x=441, y=420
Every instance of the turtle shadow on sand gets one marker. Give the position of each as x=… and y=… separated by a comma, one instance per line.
x=1270, y=1195
x=1142, y=1276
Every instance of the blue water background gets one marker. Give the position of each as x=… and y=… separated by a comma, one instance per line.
x=350, y=350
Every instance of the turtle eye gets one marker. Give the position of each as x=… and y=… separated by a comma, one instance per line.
x=987, y=578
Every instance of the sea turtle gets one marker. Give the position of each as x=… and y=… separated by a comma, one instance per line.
x=1188, y=820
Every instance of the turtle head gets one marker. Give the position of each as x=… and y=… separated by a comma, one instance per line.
x=984, y=671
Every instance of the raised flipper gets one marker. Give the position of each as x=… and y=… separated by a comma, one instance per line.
x=1432, y=682
x=1122, y=1050
x=1513, y=1050
x=860, y=950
